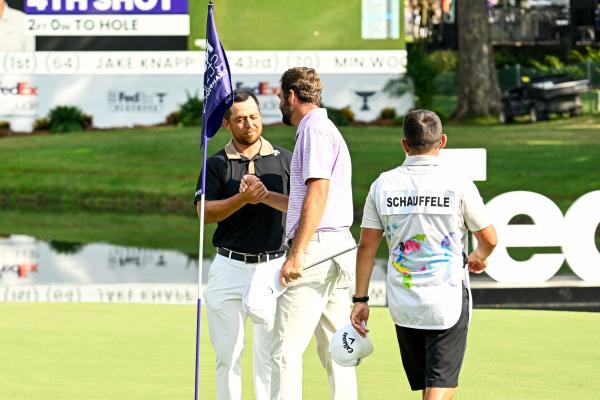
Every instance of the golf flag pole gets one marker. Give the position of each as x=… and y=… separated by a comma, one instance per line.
x=217, y=100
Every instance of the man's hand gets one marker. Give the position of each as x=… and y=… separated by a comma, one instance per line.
x=476, y=262
x=359, y=318
x=291, y=270
x=247, y=180
x=252, y=189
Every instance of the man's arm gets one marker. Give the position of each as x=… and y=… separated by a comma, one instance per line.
x=486, y=242
x=313, y=208
x=276, y=200
x=365, y=260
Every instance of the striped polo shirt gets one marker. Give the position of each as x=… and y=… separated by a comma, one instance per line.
x=320, y=152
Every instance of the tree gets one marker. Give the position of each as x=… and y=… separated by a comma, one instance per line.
x=478, y=90
x=421, y=72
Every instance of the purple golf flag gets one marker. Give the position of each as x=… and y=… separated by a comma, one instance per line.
x=217, y=80
x=218, y=97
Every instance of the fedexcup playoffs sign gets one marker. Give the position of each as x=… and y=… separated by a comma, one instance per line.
x=574, y=232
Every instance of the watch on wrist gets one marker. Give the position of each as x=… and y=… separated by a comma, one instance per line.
x=363, y=299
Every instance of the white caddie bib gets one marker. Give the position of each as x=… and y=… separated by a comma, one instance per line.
x=421, y=209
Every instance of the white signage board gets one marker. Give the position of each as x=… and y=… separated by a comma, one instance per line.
x=368, y=62
x=380, y=19
x=469, y=162
x=132, y=88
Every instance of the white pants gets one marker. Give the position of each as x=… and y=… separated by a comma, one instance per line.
x=227, y=280
x=318, y=303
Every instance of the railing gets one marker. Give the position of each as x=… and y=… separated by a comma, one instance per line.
x=512, y=26
x=549, y=25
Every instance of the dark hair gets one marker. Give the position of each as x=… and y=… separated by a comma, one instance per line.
x=422, y=130
x=239, y=96
x=305, y=83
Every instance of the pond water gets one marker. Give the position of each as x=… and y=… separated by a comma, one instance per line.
x=34, y=270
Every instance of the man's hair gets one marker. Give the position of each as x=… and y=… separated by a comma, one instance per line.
x=305, y=83
x=422, y=130
x=239, y=96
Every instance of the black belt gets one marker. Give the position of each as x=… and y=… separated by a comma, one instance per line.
x=250, y=258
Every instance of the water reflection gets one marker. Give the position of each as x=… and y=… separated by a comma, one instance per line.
x=65, y=247
x=26, y=260
x=35, y=270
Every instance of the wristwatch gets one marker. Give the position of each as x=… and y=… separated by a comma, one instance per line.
x=360, y=299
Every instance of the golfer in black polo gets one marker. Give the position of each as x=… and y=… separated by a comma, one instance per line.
x=250, y=235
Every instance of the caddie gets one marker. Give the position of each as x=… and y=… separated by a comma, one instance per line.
x=425, y=211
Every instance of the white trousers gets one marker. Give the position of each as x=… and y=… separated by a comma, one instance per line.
x=319, y=304
x=227, y=280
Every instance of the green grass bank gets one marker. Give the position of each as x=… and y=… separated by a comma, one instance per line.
x=135, y=187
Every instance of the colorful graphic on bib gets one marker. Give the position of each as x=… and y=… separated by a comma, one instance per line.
x=446, y=242
x=407, y=255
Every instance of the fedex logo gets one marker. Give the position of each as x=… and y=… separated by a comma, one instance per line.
x=20, y=89
x=263, y=88
x=21, y=270
x=106, y=6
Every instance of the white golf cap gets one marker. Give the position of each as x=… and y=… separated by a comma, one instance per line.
x=348, y=348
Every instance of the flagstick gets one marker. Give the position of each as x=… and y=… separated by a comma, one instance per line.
x=200, y=261
x=217, y=99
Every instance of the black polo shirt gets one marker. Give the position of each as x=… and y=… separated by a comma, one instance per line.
x=254, y=228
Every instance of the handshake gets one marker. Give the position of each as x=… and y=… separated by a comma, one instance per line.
x=252, y=189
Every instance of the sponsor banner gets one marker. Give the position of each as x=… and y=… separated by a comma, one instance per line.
x=106, y=6
x=19, y=103
x=192, y=62
x=142, y=293
x=105, y=25
x=120, y=101
x=146, y=100
x=18, y=98
x=363, y=94
x=325, y=62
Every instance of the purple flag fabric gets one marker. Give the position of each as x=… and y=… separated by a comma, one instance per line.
x=217, y=80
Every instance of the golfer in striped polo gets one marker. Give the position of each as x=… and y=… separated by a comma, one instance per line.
x=317, y=300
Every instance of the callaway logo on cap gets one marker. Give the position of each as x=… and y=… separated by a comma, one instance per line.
x=348, y=348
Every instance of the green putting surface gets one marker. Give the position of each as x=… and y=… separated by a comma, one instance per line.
x=97, y=351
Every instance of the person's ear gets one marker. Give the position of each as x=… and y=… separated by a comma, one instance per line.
x=292, y=98
x=443, y=141
x=405, y=145
x=226, y=123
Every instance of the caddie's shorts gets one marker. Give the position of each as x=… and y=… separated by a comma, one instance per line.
x=433, y=358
